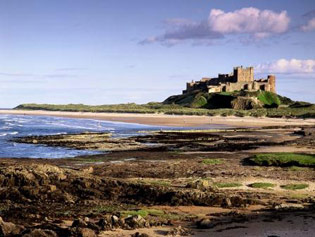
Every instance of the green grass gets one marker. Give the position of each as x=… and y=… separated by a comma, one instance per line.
x=226, y=93
x=143, y=212
x=269, y=99
x=262, y=185
x=228, y=185
x=282, y=159
x=294, y=186
x=299, y=195
x=87, y=160
x=199, y=101
x=160, y=214
x=212, y=161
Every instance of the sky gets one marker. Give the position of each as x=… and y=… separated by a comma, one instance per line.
x=119, y=51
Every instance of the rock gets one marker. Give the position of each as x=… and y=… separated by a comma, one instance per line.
x=85, y=232
x=66, y=197
x=94, y=227
x=289, y=206
x=245, y=103
x=135, y=221
x=88, y=170
x=79, y=223
x=9, y=228
x=237, y=201
x=52, y=188
x=41, y=233
x=29, y=191
x=202, y=184
x=204, y=224
x=226, y=202
x=104, y=224
x=115, y=220
x=137, y=234
x=179, y=231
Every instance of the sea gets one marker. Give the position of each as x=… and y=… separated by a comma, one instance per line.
x=12, y=126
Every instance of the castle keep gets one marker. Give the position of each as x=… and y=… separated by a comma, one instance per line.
x=240, y=79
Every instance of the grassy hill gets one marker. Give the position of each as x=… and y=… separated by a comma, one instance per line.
x=239, y=100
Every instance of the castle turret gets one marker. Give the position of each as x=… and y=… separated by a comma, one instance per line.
x=272, y=83
x=243, y=74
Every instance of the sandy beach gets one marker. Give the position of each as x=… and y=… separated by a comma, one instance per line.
x=169, y=120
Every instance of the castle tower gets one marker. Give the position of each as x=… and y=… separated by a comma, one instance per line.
x=272, y=83
x=243, y=74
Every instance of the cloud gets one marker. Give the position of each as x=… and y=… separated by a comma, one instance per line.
x=250, y=21
x=309, y=26
x=309, y=14
x=288, y=66
x=179, y=30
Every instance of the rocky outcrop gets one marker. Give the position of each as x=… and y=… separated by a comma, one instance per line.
x=79, y=228
x=9, y=228
x=47, y=183
x=245, y=103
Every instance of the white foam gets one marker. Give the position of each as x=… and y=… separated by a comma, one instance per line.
x=129, y=159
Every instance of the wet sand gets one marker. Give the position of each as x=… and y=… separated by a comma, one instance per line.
x=169, y=120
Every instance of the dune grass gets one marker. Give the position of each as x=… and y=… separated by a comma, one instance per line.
x=294, y=186
x=212, y=161
x=283, y=159
x=155, y=107
x=262, y=185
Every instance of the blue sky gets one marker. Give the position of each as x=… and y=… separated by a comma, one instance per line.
x=115, y=51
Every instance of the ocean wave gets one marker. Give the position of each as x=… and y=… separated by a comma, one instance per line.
x=3, y=134
x=89, y=127
x=5, y=128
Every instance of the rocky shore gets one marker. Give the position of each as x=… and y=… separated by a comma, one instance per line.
x=187, y=182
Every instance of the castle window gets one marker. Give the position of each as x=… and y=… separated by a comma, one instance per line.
x=224, y=89
x=262, y=87
x=245, y=87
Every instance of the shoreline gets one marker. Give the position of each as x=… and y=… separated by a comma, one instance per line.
x=169, y=120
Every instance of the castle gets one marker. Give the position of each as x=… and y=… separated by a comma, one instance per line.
x=240, y=79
